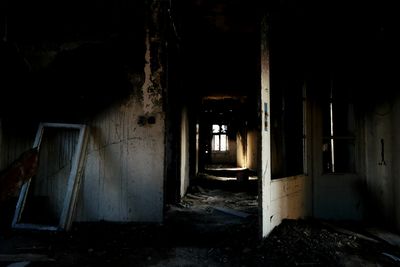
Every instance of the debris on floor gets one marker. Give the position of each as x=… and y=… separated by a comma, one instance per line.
x=24, y=257
x=196, y=234
x=232, y=212
x=312, y=242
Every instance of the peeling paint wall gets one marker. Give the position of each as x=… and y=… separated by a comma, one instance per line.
x=264, y=147
x=124, y=175
x=123, y=178
x=117, y=91
x=152, y=91
x=290, y=199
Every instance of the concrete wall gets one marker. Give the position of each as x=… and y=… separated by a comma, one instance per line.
x=184, y=170
x=290, y=198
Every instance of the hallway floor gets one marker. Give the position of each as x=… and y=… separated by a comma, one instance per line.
x=216, y=224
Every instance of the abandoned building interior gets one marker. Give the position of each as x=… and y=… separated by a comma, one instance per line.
x=133, y=103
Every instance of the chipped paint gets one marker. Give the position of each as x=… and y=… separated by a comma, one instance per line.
x=124, y=173
x=265, y=136
x=125, y=167
x=151, y=90
x=124, y=177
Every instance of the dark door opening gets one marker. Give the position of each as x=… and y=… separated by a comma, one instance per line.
x=213, y=87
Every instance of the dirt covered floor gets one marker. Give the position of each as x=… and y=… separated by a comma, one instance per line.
x=216, y=224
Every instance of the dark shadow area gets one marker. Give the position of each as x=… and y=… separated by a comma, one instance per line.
x=215, y=224
x=76, y=84
x=7, y=210
x=192, y=240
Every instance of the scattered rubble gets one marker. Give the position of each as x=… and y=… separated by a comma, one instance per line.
x=196, y=234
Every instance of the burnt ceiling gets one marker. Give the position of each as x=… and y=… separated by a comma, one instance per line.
x=216, y=46
x=219, y=41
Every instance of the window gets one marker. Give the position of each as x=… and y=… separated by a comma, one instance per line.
x=338, y=133
x=220, y=138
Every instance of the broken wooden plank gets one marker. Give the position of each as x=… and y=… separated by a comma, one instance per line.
x=196, y=197
x=391, y=256
x=24, y=257
x=19, y=264
x=232, y=212
x=389, y=237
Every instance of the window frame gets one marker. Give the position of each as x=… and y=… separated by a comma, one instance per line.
x=74, y=179
x=331, y=139
x=218, y=136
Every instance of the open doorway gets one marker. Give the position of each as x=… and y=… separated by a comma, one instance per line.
x=217, y=171
x=213, y=86
x=213, y=92
x=217, y=196
x=225, y=140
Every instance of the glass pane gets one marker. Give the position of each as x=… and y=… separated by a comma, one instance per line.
x=326, y=118
x=215, y=143
x=224, y=128
x=343, y=121
x=327, y=156
x=344, y=155
x=45, y=199
x=215, y=128
x=224, y=142
x=338, y=155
